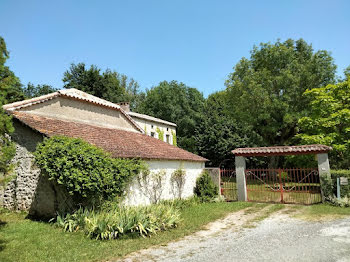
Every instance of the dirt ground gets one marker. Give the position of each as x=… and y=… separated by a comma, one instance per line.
x=258, y=234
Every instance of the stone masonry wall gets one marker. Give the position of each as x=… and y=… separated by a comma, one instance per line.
x=19, y=193
x=29, y=190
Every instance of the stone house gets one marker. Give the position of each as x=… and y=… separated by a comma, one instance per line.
x=74, y=113
x=152, y=126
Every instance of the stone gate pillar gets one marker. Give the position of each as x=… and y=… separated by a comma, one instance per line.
x=240, y=178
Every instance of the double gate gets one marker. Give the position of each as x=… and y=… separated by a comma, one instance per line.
x=296, y=185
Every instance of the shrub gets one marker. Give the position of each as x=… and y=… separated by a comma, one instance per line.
x=344, y=189
x=86, y=171
x=205, y=187
x=113, y=222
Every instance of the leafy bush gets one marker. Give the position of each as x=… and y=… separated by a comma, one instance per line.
x=86, y=171
x=344, y=189
x=115, y=221
x=205, y=187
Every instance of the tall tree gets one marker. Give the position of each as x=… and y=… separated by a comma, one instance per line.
x=10, y=91
x=329, y=121
x=108, y=85
x=218, y=133
x=266, y=91
x=175, y=102
x=33, y=91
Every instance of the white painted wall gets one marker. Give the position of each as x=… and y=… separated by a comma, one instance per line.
x=135, y=195
x=146, y=125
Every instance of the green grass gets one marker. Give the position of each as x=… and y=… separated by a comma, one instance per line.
x=322, y=212
x=25, y=240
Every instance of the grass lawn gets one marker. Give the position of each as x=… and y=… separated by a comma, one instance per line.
x=25, y=240
x=321, y=212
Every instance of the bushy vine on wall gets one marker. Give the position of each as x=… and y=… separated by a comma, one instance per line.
x=174, y=138
x=160, y=133
x=86, y=171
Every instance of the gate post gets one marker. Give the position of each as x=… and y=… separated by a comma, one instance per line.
x=240, y=177
x=324, y=172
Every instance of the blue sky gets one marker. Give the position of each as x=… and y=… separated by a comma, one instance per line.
x=196, y=42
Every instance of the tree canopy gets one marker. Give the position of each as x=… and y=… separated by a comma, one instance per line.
x=10, y=91
x=33, y=91
x=329, y=121
x=108, y=85
x=266, y=91
x=175, y=102
x=218, y=133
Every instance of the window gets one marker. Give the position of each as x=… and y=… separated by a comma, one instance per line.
x=168, y=139
x=152, y=134
x=167, y=129
x=152, y=126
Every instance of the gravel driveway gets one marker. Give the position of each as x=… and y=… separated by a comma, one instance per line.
x=279, y=237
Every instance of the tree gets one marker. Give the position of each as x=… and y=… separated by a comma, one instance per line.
x=10, y=86
x=218, y=133
x=33, y=91
x=108, y=85
x=10, y=91
x=266, y=91
x=178, y=103
x=329, y=121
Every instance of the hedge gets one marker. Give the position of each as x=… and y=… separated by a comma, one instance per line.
x=344, y=189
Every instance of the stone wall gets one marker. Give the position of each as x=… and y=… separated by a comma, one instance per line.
x=29, y=190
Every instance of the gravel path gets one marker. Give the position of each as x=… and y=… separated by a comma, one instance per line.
x=278, y=238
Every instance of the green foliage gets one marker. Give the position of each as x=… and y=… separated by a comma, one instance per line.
x=33, y=91
x=219, y=133
x=108, y=85
x=87, y=172
x=329, y=121
x=10, y=86
x=205, y=187
x=344, y=189
x=178, y=103
x=327, y=187
x=160, y=133
x=266, y=91
x=10, y=91
x=112, y=223
x=174, y=138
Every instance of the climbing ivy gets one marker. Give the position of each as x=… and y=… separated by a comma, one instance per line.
x=160, y=133
x=174, y=138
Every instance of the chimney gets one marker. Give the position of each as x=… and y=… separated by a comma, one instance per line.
x=125, y=106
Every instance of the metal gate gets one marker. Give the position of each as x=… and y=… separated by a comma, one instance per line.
x=297, y=185
x=228, y=184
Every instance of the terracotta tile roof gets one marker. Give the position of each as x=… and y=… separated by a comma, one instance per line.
x=281, y=150
x=73, y=94
x=119, y=143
